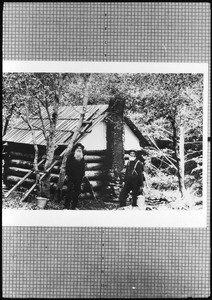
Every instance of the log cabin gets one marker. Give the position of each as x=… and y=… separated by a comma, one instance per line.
x=106, y=134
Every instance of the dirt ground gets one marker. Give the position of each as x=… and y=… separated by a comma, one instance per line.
x=154, y=200
x=14, y=202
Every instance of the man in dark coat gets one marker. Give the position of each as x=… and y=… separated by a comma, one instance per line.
x=133, y=179
x=75, y=171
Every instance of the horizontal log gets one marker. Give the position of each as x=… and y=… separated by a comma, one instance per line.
x=30, y=157
x=93, y=174
x=17, y=174
x=87, y=152
x=21, y=155
x=94, y=166
x=94, y=158
x=91, y=155
x=20, y=172
x=14, y=179
x=21, y=163
x=96, y=152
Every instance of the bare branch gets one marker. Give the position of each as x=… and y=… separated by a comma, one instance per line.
x=195, y=142
x=192, y=159
x=162, y=153
x=193, y=152
x=24, y=119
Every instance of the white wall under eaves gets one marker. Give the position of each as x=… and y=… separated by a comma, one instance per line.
x=96, y=139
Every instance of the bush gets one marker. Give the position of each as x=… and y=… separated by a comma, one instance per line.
x=163, y=182
x=195, y=185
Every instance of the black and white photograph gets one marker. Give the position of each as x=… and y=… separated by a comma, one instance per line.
x=103, y=141
x=106, y=150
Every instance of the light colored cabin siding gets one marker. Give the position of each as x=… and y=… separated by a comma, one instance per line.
x=96, y=139
x=130, y=139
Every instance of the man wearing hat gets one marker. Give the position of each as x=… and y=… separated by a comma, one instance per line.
x=75, y=171
x=133, y=179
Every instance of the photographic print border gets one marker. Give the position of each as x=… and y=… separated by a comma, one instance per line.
x=133, y=218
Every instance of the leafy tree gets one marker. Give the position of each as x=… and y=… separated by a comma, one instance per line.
x=38, y=95
x=86, y=79
x=12, y=102
x=175, y=101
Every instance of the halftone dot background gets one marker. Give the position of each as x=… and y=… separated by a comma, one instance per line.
x=107, y=262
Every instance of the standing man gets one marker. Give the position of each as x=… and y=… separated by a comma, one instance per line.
x=133, y=179
x=75, y=171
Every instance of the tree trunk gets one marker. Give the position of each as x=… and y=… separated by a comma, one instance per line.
x=115, y=135
x=115, y=146
x=182, y=159
x=49, y=159
x=73, y=139
x=6, y=125
x=51, y=140
x=176, y=157
x=8, y=119
x=35, y=162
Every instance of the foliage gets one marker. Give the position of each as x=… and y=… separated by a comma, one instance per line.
x=11, y=100
x=168, y=102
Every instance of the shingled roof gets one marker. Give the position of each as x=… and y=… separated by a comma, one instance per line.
x=67, y=120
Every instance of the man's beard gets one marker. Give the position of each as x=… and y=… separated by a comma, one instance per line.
x=78, y=156
x=132, y=158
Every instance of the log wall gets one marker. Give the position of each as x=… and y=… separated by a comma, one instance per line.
x=19, y=162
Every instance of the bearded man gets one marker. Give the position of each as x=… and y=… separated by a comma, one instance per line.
x=133, y=179
x=75, y=171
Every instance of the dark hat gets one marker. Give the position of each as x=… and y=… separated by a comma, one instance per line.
x=78, y=145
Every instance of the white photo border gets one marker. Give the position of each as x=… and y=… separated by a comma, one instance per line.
x=127, y=218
